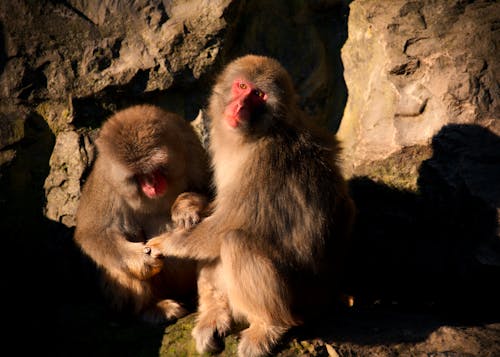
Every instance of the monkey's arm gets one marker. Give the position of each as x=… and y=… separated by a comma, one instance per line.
x=113, y=251
x=201, y=243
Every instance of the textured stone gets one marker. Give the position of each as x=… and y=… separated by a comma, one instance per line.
x=73, y=154
x=413, y=67
x=12, y=120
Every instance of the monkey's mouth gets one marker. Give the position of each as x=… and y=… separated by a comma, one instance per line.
x=242, y=114
x=153, y=184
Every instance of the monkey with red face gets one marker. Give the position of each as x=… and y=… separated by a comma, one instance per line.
x=151, y=174
x=274, y=244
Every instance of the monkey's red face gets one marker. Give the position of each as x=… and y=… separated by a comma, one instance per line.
x=154, y=184
x=245, y=100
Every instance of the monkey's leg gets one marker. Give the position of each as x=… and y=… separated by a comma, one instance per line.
x=122, y=290
x=257, y=292
x=214, y=316
x=172, y=291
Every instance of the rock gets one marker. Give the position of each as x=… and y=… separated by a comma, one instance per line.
x=87, y=48
x=12, y=119
x=413, y=67
x=58, y=114
x=306, y=37
x=73, y=154
x=369, y=340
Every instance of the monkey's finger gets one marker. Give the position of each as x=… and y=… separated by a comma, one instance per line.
x=154, y=253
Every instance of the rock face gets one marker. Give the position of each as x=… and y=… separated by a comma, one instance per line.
x=86, y=47
x=423, y=116
x=73, y=154
x=411, y=68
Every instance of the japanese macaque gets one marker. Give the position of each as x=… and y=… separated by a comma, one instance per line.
x=149, y=161
x=273, y=246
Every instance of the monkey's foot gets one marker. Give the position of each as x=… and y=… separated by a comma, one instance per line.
x=164, y=311
x=258, y=340
x=187, y=210
x=208, y=340
x=140, y=263
x=209, y=334
x=171, y=309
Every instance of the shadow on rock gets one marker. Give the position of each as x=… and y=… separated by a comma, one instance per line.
x=423, y=260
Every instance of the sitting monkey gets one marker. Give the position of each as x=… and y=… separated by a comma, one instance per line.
x=272, y=250
x=151, y=173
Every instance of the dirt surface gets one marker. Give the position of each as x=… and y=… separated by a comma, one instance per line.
x=87, y=329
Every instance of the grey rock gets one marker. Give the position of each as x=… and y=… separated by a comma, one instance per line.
x=72, y=156
x=413, y=67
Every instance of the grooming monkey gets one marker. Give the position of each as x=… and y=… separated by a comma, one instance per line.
x=274, y=243
x=149, y=162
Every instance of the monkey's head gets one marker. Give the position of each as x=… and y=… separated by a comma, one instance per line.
x=143, y=155
x=254, y=94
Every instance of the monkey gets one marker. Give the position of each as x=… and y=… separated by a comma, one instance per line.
x=282, y=213
x=150, y=175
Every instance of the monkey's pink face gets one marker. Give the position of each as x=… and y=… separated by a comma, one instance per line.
x=245, y=99
x=154, y=184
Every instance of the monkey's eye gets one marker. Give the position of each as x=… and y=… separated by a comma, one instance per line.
x=242, y=85
x=259, y=93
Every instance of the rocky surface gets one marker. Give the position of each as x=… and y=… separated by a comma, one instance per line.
x=413, y=67
x=411, y=86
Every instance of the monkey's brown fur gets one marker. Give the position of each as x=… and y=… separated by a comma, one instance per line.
x=274, y=244
x=115, y=217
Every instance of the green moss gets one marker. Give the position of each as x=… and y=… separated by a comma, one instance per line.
x=177, y=340
x=56, y=114
x=400, y=170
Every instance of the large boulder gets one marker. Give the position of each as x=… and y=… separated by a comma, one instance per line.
x=411, y=68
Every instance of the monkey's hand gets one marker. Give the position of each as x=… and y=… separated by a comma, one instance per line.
x=141, y=264
x=188, y=210
x=168, y=244
x=157, y=247
x=197, y=243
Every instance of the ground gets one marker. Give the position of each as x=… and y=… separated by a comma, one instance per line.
x=90, y=330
